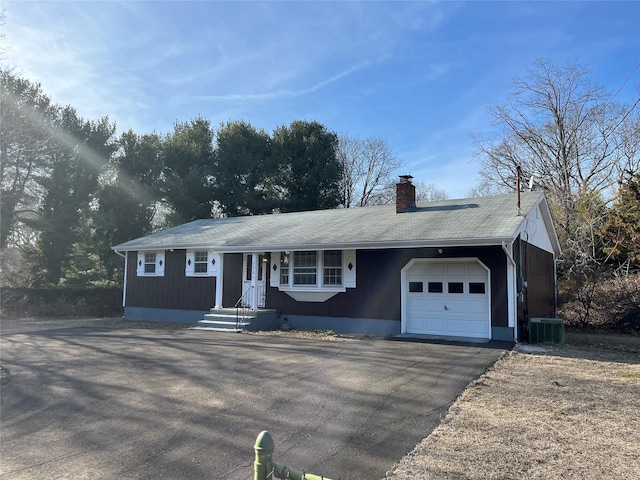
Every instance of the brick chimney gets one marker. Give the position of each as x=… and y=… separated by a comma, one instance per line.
x=405, y=194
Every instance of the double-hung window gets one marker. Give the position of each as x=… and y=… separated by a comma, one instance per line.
x=305, y=268
x=284, y=268
x=200, y=262
x=332, y=268
x=149, y=263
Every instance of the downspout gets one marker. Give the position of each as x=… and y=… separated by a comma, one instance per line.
x=555, y=286
x=511, y=299
x=124, y=287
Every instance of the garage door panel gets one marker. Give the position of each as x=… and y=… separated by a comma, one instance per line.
x=416, y=324
x=454, y=301
x=456, y=327
x=454, y=307
x=480, y=308
x=478, y=328
x=454, y=269
x=435, y=306
x=475, y=269
x=436, y=326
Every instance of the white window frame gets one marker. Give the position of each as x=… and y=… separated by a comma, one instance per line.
x=318, y=292
x=332, y=271
x=305, y=270
x=158, y=263
x=212, y=262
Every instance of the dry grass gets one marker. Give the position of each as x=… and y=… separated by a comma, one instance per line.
x=548, y=413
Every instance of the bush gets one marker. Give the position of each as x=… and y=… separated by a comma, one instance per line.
x=61, y=302
x=612, y=304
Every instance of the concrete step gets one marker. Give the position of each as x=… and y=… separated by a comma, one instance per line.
x=222, y=323
x=215, y=329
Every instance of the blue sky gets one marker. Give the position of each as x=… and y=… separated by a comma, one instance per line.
x=418, y=74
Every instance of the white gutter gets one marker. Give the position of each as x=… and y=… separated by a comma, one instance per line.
x=512, y=304
x=439, y=243
x=124, y=287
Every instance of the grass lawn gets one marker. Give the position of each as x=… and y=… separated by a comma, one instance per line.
x=542, y=412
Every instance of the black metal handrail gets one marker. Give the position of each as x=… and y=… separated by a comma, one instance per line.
x=241, y=306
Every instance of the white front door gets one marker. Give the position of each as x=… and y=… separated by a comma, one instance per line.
x=254, y=285
x=448, y=298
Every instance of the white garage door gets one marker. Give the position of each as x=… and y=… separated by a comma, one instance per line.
x=448, y=298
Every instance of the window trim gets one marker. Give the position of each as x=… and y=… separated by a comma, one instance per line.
x=318, y=291
x=158, y=263
x=212, y=262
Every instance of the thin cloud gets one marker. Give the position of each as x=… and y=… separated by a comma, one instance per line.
x=279, y=93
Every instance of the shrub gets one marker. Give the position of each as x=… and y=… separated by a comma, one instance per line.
x=61, y=302
x=612, y=304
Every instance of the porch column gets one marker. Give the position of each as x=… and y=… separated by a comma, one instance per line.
x=219, y=281
x=254, y=281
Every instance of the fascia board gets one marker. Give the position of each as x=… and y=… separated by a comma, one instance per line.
x=335, y=246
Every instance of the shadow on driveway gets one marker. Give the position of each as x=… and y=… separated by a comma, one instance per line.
x=156, y=404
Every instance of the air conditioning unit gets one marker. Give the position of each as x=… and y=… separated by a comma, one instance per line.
x=546, y=330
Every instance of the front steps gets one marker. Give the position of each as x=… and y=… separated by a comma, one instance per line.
x=226, y=320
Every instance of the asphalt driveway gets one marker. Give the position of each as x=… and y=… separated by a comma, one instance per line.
x=97, y=403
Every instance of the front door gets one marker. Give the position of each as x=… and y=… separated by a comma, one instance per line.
x=254, y=284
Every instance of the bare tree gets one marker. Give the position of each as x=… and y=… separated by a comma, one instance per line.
x=569, y=135
x=429, y=192
x=369, y=167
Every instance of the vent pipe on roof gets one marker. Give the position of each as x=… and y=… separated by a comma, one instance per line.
x=518, y=175
x=405, y=194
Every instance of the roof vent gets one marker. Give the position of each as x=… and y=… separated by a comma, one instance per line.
x=405, y=194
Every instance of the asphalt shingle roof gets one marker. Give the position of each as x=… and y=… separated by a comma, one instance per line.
x=463, y=221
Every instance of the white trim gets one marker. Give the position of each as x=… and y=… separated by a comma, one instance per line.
x=512, y=304
x=140, y=264
x=190, y=263
x=219, y=279
x=349, y=275
x=479, y=242
x=314, y=294
x=274, y=270
x=413, y=261
x=160, y=263
x=124, y=287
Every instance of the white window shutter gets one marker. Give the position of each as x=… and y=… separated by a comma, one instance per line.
x=349, y=268
x=140, y=264
x=189, y=266
x=160, y=261
x=274, y=270
x=213, y=262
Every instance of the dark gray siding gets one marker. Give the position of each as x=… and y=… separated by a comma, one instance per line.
x=377, y=295
x=232, y=285
x=537, y=270
x=174, y=290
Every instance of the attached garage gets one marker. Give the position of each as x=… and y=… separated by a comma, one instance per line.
x=447, y=298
